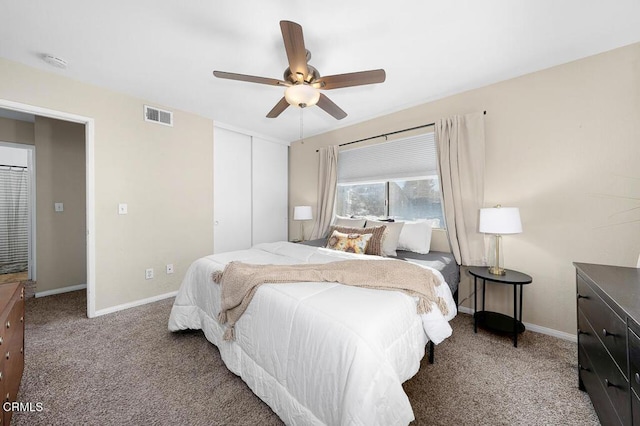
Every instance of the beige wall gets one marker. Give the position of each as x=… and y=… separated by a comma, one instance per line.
x=163, y=173
x=563, y=145
x=61, y=259
x=16, y=131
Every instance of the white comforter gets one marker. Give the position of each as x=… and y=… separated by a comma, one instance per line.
x=316, y=353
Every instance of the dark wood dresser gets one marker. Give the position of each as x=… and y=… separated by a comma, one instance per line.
x=11, y=344
x=608, y=299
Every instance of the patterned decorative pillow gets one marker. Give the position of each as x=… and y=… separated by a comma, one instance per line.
x=391, y=236
x=350, y=243
x=374, y=246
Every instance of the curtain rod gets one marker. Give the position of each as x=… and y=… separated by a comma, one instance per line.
x=391, y=133
x=17, y=167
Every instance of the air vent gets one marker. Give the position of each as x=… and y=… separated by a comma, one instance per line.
x=159, y=116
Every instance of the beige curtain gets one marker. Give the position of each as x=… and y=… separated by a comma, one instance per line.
x=327, y=181
x=460, y=144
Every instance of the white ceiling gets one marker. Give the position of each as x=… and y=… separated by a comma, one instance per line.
x=165, y=51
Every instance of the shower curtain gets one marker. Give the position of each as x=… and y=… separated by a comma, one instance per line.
x=14, y=222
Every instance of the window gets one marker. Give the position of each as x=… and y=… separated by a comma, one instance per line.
x=416, y=199
x=367, y=199
x=396, y=179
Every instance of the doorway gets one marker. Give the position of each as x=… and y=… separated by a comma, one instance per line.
x=89, y=188
x=17, y=212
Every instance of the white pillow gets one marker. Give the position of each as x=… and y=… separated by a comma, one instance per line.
x=416, y=236
x=390, y=236
x=349, y=222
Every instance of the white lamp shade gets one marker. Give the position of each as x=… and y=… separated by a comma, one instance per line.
x=302, y=95
x=302, y=213
x=500, y=220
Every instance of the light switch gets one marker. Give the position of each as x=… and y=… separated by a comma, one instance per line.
x=122, y=208
x=59, y=207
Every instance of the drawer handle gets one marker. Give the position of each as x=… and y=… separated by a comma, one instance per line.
x=583, y=368
x=7, y=355
x=0, y=376
x=8, y=324
x=637, y=376
x=1, y=340
x=605, y=333
x=609, y=384
x=582, y=297
x=21, y=319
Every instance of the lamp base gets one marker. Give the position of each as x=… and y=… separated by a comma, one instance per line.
x=496, y=270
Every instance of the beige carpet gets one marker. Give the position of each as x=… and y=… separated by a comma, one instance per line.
x=126, y=368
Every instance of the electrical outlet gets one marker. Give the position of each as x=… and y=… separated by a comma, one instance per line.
x=170, y=268
x=122, y=208
x=148, y=273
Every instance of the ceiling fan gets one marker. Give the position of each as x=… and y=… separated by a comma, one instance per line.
x=303, y=81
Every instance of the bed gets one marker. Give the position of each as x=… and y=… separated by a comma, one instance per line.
x=305, y=350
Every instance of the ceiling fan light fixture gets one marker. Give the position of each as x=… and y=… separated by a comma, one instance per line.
x=303, y=80
x=302, y=95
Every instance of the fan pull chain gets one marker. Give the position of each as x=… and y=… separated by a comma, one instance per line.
x=301, y=126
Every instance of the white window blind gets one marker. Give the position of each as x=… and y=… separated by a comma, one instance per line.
x=410, y=157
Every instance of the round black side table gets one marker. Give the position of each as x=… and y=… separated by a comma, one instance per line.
x=494, y=320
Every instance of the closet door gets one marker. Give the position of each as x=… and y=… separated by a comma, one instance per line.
x=231, y=190
x=270, y=196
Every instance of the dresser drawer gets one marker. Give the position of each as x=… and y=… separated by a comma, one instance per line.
x=13, y=358
x=635, y=403
x=634, y=361
x=599, y=399
x=608, y=374
x=14, y=324
x=12, y=320
x=609, y=327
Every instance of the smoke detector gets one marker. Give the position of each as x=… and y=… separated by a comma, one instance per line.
x=54, y=61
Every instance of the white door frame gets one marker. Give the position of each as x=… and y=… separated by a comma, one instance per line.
x=31, y=203
x=89, y=128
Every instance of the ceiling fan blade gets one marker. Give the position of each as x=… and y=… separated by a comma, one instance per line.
x=294, y=45
x=249, y=78
x=352, y=79
x=331, y=108
x=277, y=110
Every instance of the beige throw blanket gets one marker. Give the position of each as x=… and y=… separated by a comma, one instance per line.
x=240, y=281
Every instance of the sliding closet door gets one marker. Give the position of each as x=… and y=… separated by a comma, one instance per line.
x=231, y=190
x=270, y=198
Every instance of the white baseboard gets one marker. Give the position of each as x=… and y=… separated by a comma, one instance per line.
x=533, y=327
x=465, y=310
x=60, y=290
x=551, y=332
x=135, y=303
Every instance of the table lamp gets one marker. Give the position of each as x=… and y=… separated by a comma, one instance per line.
x=302, y=213
x=498, y=221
